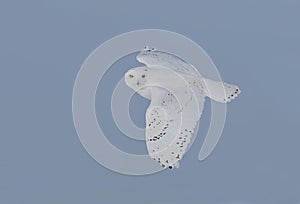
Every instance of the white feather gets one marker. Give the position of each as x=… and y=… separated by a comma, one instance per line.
x=177, y=93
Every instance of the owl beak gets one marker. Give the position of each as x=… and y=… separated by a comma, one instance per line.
x=138, y=83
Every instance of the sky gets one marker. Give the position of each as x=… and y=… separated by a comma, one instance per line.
x=43, y=44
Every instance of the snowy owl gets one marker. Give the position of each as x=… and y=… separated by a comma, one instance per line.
x=177, y=93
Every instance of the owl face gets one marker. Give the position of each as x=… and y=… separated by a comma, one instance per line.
x=136, y=78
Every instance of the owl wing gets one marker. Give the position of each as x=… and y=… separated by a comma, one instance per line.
x=152, y=57
x=170, y=122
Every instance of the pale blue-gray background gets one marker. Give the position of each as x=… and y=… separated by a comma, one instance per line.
x=254, y=44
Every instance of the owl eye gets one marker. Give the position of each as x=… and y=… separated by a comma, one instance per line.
x=143, y=76
x=131, y=76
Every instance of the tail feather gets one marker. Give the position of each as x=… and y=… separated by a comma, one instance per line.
x=221, y=91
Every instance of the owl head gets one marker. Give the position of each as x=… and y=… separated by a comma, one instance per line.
x=137, y=77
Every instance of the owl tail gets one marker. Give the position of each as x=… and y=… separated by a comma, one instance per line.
x=221, y=91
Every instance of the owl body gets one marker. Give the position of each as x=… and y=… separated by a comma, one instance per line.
x=177, y=93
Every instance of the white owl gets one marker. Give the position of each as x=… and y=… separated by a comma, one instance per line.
x=177, y=93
